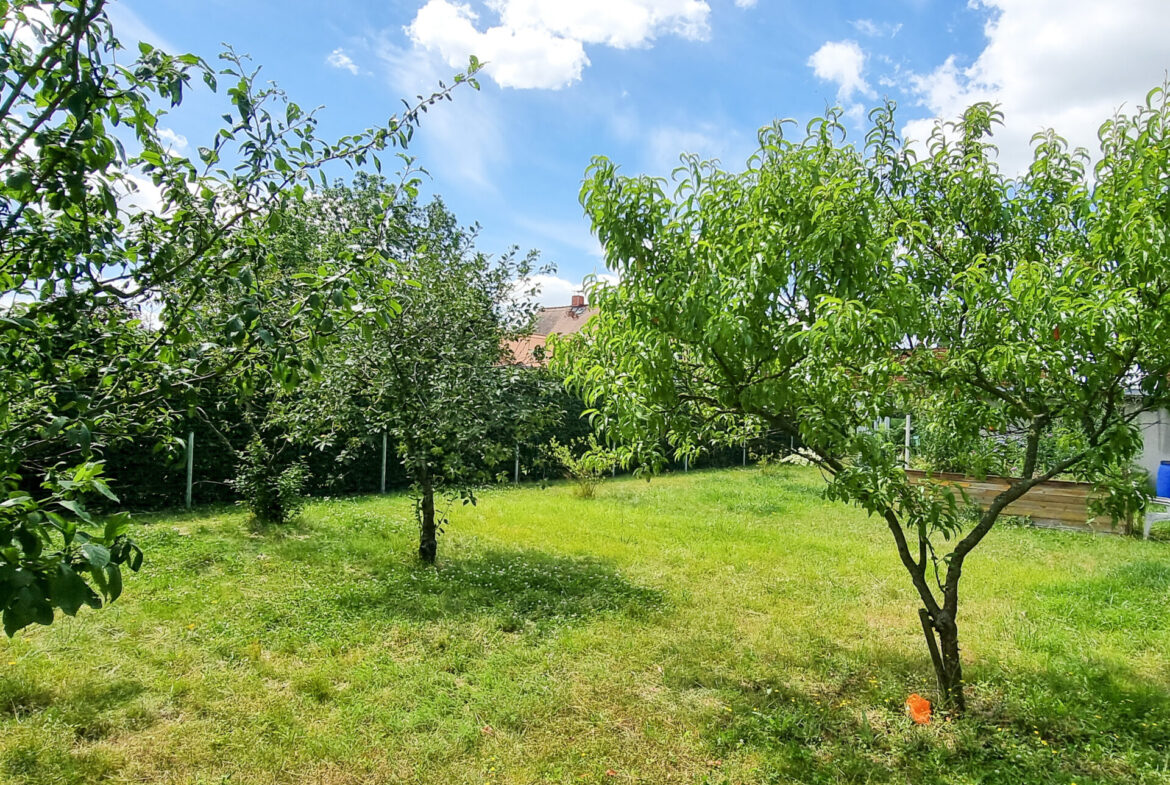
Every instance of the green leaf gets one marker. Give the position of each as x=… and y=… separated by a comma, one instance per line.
x=19, y=180
x=97, y=555
x=69, y=592
x=100, y=486
x=76, y=508
x=114, y=582
x=28, y=605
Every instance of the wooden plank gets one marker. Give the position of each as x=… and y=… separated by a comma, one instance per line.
x=1049, y=505
x=1097, y=527
x=991, y=478
x=1045, y=510
x=1054, y=503
x=1062, y=501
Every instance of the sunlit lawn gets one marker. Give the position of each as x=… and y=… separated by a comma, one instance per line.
x=713, y=627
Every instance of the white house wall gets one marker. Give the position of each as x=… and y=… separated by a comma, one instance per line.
x=1156, y=432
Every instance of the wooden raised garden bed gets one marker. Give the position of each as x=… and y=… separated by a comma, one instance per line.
x=1053, y=504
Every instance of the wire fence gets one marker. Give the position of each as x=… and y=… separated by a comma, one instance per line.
x=202, y=474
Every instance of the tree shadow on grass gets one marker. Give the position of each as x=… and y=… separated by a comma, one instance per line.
x=1023, y=726
x=55, y=720
x=22, y=694
x=838, y=716
x=533, y=585
x=517, y=588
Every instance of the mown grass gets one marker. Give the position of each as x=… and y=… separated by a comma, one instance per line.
x=716, y=627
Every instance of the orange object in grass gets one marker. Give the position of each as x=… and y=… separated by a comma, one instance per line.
x=918, y=708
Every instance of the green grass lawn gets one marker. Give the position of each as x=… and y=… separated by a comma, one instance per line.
x=716, y=627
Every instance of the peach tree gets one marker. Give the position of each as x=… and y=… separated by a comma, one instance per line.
x=829, y=285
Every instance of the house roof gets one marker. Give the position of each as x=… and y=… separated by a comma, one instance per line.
x=558, y=320
x=562, y=319
x=523, y=350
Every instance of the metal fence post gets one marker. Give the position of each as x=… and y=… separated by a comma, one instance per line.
x=383, y=461
x=517, y=472
x=190, y=464
x=906, y=452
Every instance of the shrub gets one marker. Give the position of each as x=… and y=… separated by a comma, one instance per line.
x=271, y=492
x=584, y=462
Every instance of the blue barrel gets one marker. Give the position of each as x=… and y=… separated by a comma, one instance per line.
x=1163, y=485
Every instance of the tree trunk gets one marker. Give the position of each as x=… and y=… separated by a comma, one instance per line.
x=942, y=638
x=428, y=545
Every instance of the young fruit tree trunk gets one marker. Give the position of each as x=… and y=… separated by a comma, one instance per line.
x=942, y=638
x=939, y=619
x=428, y=545
x=938, y=614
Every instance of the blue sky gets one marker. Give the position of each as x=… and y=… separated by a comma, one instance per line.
x=642, y=81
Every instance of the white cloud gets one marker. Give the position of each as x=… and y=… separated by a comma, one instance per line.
x=339, y=59
x=128, y=27
x=618, y=23
x=140, y=194
x=1063, y=64
x=31, y=33
x=541, y=43
x=855, y=113
x=842, y=62
x=555, y=290
x=746, y=3
x=176, y=142
x=876, y=29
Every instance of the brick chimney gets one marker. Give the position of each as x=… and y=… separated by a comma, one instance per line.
x=578, y=301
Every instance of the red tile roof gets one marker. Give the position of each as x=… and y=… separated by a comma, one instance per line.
x=523, y=351
x=559, y=320
x=562, y=320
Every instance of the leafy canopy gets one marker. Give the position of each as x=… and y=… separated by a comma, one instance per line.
x=827, y=286
x=435, y=378
x=99, y=298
